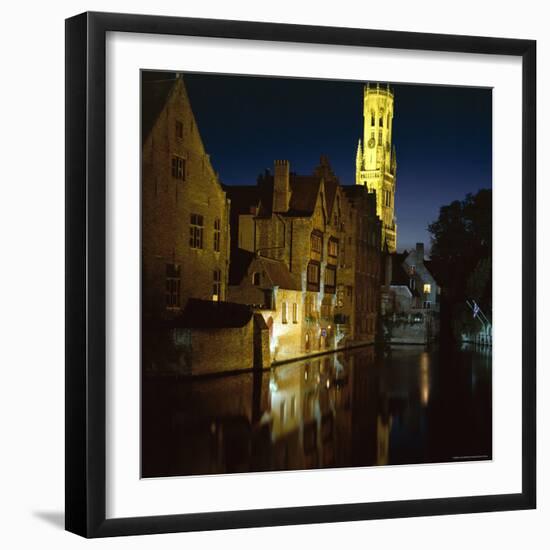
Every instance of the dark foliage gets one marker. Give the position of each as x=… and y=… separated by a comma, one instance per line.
x=462, y=251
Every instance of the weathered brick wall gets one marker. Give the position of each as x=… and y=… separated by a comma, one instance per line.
x=286, y=341
x=219, y=350
x=366, y=237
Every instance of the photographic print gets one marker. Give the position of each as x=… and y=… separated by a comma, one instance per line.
x=316, y=274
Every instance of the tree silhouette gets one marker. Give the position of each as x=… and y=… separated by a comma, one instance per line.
x=461, y=252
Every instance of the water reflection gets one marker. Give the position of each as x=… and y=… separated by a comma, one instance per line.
x=344, y=409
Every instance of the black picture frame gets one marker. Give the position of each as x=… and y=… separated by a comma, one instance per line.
x=86, y=273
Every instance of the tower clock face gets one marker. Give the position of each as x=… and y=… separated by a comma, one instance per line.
x=371, y=143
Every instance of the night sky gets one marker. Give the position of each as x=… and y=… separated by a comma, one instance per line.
x=443, y=136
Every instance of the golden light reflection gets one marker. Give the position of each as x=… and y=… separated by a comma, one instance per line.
x=424, y=378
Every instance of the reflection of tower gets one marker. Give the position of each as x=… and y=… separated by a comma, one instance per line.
x=375, y=161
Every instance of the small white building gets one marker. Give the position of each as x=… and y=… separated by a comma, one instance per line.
x=268, y=286
x=410, y=298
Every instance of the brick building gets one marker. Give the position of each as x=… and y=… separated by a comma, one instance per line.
x=185, y=211
x=268, y=286
x=185, y=247
x=363, y=263
x=329, y=245
x=312, y=267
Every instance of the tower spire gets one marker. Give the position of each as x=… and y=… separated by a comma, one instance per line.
x=375, y=160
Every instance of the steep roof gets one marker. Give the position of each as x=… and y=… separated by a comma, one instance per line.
x=155, y=91
x=330, y=194
x=303, y=195
x=398, y=274
x=331, y=182
x=238, y=266
x=206, y=314
x=276, y=271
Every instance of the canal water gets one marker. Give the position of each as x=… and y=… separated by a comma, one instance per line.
x=357, y=408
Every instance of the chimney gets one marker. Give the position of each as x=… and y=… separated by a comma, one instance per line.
x=420, y=252
x=281, y=186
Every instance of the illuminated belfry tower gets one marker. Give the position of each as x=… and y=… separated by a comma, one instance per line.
x=375, y=162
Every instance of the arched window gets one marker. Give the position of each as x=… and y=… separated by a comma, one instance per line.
x=372, y=118
x=381, y=121
x=256, y=278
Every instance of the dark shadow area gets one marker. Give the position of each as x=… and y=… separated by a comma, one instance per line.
x=57, y=519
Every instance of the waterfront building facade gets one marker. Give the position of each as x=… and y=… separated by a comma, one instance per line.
x=364, y=252
x=329, y=245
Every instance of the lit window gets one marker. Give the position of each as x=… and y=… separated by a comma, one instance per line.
x=179, y=129
x=173, y=286
x=196, y=228
x=283, y=313
x=333, y=247
x=313, y=273
x=217, y=287
x=217, y=234
x=256, y=278
x=330, y=277
x=427, y=288
x=178, y=168
x=316, y=243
